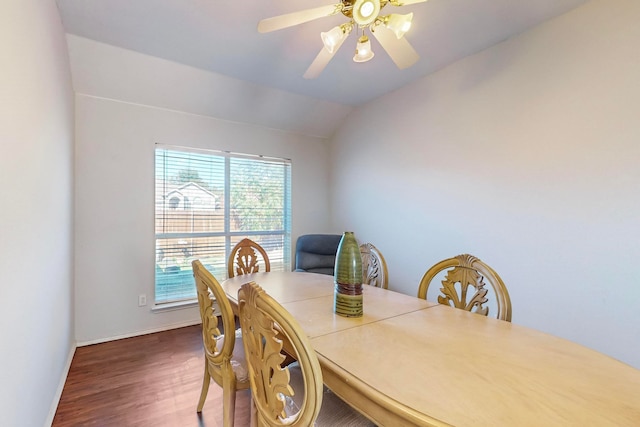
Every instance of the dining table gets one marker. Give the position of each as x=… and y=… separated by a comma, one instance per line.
x=413, y=362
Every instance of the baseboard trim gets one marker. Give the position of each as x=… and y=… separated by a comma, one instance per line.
x=63, y=380
x=138, y=333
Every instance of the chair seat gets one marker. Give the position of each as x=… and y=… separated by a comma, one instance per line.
x=238, y=358
x=334, y=411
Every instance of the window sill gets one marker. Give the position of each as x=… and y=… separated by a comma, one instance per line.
x=171, y=306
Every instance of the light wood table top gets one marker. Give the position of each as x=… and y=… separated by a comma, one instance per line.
x=409, y=361
x=309, y=298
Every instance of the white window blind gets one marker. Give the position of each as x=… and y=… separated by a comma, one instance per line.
x=205, y=203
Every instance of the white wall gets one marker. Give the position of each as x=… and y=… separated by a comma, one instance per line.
x=108, y=71
x=115, y=186
x=36, y=185
x=525, y=155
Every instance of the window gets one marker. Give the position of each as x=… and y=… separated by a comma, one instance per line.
x=205, y=203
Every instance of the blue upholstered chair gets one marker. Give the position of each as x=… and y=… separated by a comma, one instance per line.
x=316, y=253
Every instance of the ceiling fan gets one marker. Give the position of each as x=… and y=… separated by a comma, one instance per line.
x=362, y=14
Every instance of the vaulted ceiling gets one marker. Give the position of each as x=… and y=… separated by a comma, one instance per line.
x=222, y=37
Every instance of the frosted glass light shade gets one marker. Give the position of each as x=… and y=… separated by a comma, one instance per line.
x=399, y=24
x=332, y=38
x=363, y=50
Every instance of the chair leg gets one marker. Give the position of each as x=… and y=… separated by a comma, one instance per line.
x=228, y=401
x=254, y=413
x=205, y=386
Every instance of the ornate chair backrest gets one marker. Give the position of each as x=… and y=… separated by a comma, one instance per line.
x=374, y=267
x=264, y=322
x=245, y=260
x=215, y=308
x=467, y=270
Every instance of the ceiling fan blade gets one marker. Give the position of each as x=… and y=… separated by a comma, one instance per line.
x=405, y=2
x=290, y=19
x=321, y=61
x=400, y=50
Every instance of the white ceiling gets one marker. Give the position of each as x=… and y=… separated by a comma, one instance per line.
x=221, y=36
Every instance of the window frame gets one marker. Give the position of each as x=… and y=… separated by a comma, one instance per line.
x=227, y=234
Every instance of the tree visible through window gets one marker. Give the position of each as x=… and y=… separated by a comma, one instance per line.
x=206, y=202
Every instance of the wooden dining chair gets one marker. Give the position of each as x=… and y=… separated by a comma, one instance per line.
x=374, y=266
x=291, y=395
x=467, y=270
x=244, y=258
x=224, y=353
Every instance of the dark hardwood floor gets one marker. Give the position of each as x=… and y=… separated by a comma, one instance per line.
x=150, y=380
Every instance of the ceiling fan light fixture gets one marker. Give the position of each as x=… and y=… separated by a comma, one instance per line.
x=362, y=15
x=332, y=38
x=399, y=24
x=365, y=11
x=363, y=50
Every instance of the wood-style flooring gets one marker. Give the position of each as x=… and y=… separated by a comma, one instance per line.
x=150, y=380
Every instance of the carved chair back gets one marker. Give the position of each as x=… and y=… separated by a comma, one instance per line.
x=246, y=257
x=374, y=266
x=264, y=323
x=467, y=272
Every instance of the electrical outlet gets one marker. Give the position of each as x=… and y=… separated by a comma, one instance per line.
x=142, y=300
